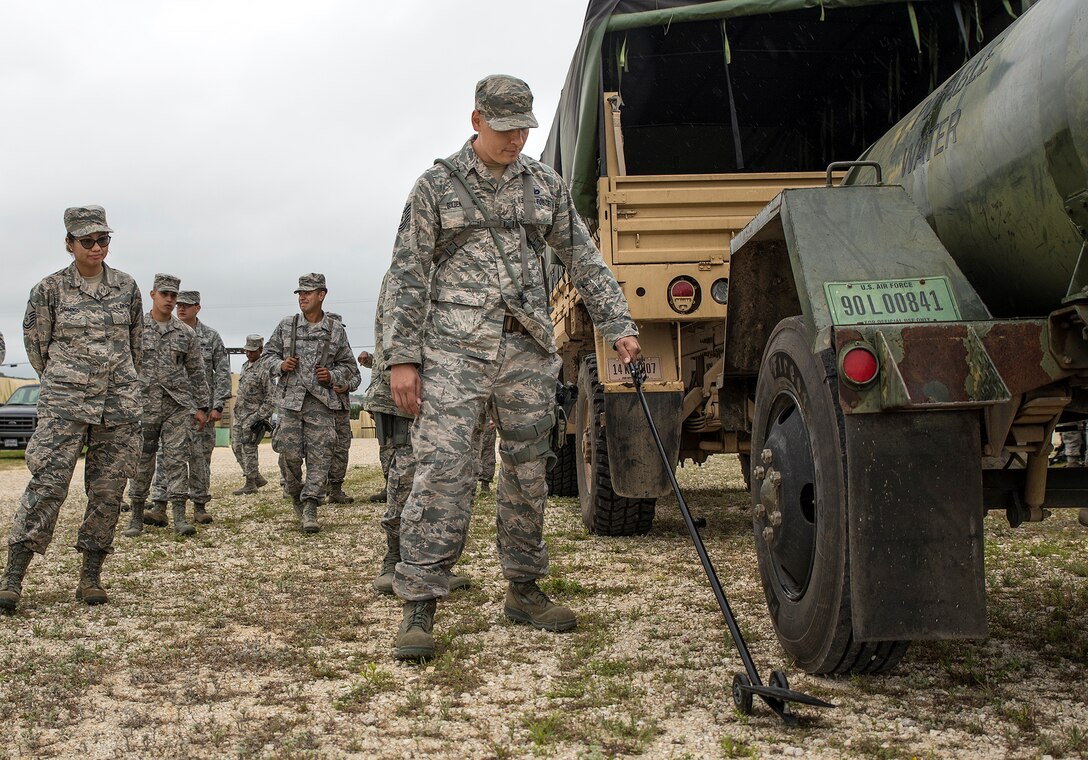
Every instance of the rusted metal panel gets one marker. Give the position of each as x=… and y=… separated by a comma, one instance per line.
x=1017, y=350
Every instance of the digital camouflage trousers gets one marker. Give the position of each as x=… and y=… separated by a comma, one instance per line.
x=457, y=390
x=51, y=457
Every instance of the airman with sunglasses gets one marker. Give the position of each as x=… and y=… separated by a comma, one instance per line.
x=83, y=336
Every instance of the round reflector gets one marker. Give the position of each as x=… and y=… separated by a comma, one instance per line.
x=719, y=291
x=859, y=364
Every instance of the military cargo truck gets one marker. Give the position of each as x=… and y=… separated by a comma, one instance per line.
x=896, y=350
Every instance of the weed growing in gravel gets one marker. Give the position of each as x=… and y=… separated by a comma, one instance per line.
x=736, y=748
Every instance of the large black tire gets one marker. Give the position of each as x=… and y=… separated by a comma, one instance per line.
x=603, y=511
x=804, y=560
x=563, y=477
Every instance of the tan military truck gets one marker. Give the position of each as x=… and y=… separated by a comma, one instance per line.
x=666, y=238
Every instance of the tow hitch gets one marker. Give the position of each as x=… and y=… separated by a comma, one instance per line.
x=778, y=694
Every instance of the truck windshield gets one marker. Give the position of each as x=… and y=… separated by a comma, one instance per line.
x=26, y=395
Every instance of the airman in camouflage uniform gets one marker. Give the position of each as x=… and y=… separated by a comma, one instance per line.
x=3, y=349
x=82, y=332
x=311, y=354
x=253, y=406
x=468, y=328
x=202, y=441
x=342, y=424
x=175, y=398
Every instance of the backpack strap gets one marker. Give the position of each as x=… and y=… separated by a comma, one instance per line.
x=463, y=191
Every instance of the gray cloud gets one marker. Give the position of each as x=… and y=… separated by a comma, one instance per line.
x=240, y=144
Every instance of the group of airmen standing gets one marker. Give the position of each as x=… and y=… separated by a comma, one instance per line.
x=465, y=340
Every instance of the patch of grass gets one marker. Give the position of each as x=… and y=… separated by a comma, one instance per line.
x=562, y=586
x=544, y=731
x=1022, y=716
x=736, y=748
x=373, y=680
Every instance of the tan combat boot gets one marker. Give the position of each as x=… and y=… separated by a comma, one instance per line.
x=415, y=640
x=337, y=496
x=182, y=526
x=90, y=589
x=136, y=521
x=249, y=487
x=200, y=514
x=259, y=481
x=383, y=584
x=156, y=515
x=526, y=603
x=457, y=582
x=11, y=585
x=309, y=516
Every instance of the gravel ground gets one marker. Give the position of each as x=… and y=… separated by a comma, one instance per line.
x=253, y=640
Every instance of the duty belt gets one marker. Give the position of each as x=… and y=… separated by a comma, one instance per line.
x=511, y=324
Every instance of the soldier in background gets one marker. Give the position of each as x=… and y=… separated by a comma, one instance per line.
x=82, y=335
x=252, y=411
x=487, y=456
x=385, y=454
x=3, y=349
x=202, y=441
x=311, y=353
x=469, y=329
x=175, y=398
x=342, y=424
x=392, y=429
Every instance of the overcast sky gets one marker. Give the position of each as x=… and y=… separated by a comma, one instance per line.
x=240, y=144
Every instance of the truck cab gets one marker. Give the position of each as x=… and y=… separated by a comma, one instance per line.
x=19, y=417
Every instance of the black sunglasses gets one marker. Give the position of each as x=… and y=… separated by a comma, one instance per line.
x=90, y=243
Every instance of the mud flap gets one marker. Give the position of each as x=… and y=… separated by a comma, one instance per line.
x=633, y=460
x=915, y=521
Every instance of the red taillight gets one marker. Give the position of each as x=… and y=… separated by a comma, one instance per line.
x=683, y=295
x=859, y=364
x=683, y=289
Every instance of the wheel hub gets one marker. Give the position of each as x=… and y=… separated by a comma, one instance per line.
x=786, y=506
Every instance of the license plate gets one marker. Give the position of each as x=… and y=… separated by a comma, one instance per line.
x=926, y=299
x=618, y=372
x=11, y=443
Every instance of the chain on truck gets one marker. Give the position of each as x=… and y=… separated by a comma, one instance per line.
x=889, y=343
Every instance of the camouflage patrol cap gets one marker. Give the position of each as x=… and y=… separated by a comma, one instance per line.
x=81, y=221
x=254, y=343
x=166, y=283
x=189, y=297
x=505, y=102
x=311, y=281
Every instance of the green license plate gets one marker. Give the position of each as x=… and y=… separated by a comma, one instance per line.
x=926, y=299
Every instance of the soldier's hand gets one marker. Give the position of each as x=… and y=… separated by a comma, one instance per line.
x=215, y=415
x=199, y=418
x=290, y=364
x=340, y=388
x=323, y=375
x=366, y=359
x=628, y=348
x=406, y=386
